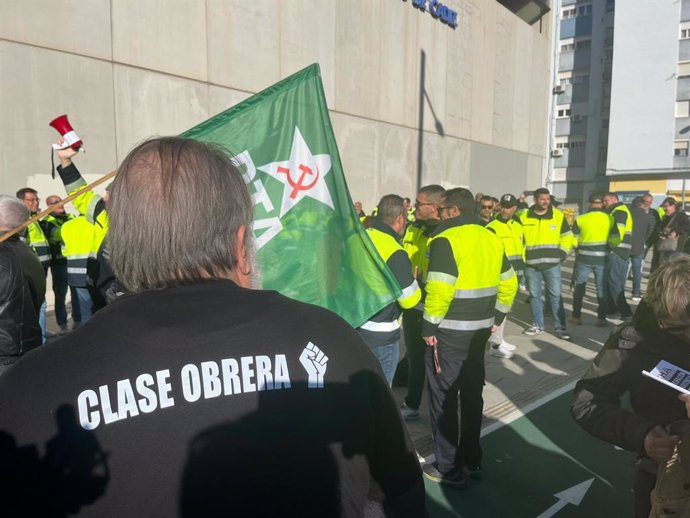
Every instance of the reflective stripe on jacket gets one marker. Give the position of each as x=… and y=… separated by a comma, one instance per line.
x=511, y=235
x=592, y=230
x=78, y=237
x=620, y=241
x=39, y=243
x=384, y=328
x=470, y=281
x=548, y=238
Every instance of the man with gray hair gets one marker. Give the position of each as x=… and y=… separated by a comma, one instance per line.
x=382, y=331
x=22, y=287
x=209, y=398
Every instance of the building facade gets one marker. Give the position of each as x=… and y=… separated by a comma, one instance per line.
x=413, y=100
x=649, y=130
x=583, y=52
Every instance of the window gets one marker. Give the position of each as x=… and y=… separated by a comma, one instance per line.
x=680, y=148
x=579, y=118
x=563, y=112
x=685, y=30
x=682, y=108
x=565, y=81
x=583, y=44
x=567, y=47
x=583, y=10
x=572, y=11
x=568, y=12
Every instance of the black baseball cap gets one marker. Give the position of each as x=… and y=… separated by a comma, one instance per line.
x=508, y=201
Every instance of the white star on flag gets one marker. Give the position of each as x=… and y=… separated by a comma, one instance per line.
x=303, y=174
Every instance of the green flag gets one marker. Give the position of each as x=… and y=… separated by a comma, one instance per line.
x=311, y=246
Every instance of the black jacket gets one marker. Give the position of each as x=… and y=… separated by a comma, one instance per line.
x=617, y=370
x=680, y=225
x=22, y=291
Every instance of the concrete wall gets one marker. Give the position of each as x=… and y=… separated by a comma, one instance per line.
x=127, y=69
x=643, y=86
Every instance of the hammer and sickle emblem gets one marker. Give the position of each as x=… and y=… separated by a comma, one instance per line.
x=299, y=185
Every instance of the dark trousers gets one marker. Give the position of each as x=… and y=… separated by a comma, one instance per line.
x=416, y=349
x=616, y=274
x=461, y=381
x=59, y=273
x=643, y=483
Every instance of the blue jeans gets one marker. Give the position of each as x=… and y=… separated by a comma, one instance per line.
x=42, y=321
x=552, y=279
x=85, y=303
x=616, y=274
x=581, y=274
x=636, y=265
x=388, y=355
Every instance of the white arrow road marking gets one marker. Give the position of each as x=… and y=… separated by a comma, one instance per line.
x=572, y=495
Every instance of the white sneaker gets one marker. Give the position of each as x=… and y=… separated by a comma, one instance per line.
x=637, y=299
x=508, y=346
x=534, y=330
x=501, y=352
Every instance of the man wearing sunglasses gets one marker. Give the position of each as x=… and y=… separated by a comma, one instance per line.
x=415, y=243
x=470, y=288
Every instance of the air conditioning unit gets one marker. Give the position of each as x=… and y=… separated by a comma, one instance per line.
x=558, y=89
x=557, y=153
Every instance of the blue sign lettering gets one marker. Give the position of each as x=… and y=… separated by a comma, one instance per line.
x=438, y=10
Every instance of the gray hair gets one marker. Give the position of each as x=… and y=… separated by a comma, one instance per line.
x=176, y=207
x=668, y=295
x=13, y=212
x=433, y=192
x=390, y=208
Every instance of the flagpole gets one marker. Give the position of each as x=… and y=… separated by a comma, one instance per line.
x=51, y=208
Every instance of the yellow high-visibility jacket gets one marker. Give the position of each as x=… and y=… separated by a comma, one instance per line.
x=592, y=231
x=620, y=239
x=470, y=284
x=512, y=236
x=548, y=238
x=384, y=328
x=78, y=236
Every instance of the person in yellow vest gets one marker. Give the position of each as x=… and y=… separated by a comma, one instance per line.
x=37, y=241
x=382, y=331
x=618, y=259
x=509, y=230
x=89, y=204
x=52, y=226
x=470, y=288
x=548, y=239
x=416, y=244
x=592, y=230
x=78, y=236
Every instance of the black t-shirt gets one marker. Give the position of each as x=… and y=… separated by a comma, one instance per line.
x=204, y=400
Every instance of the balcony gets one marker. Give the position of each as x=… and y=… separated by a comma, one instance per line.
x=580, y=26
x=683, y=89
x=682, y=128
x=684, y=50
x=574, y=59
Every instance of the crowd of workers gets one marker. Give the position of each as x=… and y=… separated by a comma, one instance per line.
x=459, y=260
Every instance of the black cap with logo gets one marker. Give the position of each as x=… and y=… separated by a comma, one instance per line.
x=508, y=201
